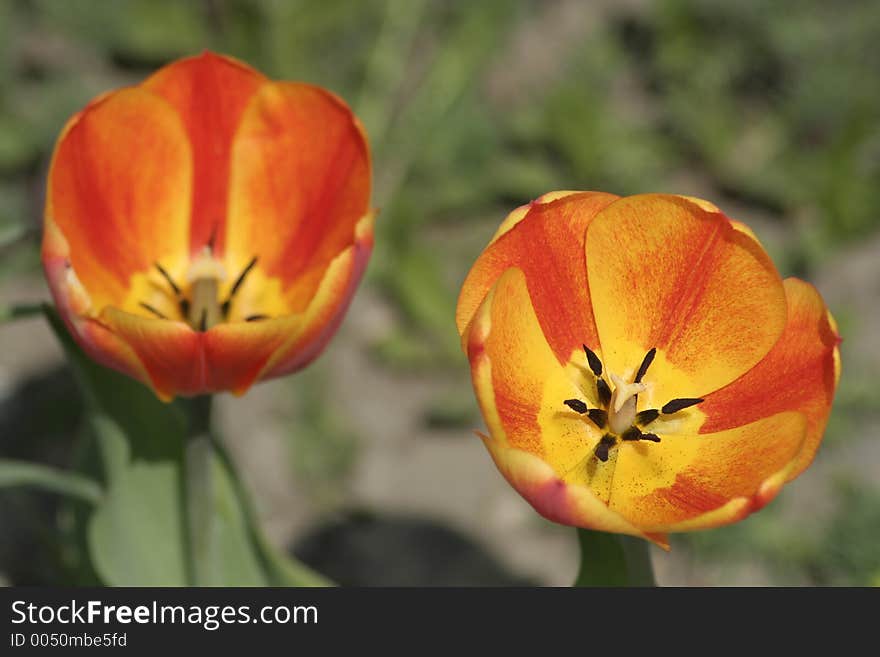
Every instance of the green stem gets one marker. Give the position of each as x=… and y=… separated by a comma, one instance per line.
x=199, y=489
x=284, y=570
x=613, y=560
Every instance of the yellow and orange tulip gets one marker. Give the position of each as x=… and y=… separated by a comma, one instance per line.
x=207, y=228
x=640, y=364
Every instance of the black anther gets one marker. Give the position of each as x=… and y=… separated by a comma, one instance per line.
x=168, y=278
x=677, y=405
x=593, y=360
x=224, y=307
x=646, y=363
x=603, y=446
x=646, y=417
x=147, y=306
x=598, y=416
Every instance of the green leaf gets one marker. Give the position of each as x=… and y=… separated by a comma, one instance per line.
x=20, y=473
x=613, y=560
x=136, y=537
x=136, y=534
x=280, y=569
x=139, y=537
x=19, y=311
x=233, y=557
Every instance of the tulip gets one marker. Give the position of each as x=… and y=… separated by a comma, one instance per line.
x=640, y=364
x=206, y=229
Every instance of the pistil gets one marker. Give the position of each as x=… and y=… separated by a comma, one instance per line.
x=622, y=410
x=205, y=275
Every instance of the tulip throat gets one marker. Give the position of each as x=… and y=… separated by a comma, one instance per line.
x=617, y=414
x=200, y=304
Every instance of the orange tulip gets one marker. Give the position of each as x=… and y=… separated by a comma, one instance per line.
x=640, y=364
x=207, y=228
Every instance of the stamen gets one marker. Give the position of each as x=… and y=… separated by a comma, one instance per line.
x=593, y=361
x=603, y=446
x=255, y=318
x=646, y=363
x=604, y=392
x=150, y=308
x=203, y=321
x=237, y=285
x=679, y=404
x=634, y=433
x=182, y=301
x=598, y=416
x=168, y=279
x=646, y=417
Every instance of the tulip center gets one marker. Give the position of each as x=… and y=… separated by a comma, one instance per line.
x=200, y=304
x=617, y=414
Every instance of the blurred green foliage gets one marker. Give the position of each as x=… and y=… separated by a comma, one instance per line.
x=322, y=448
x=474, y=108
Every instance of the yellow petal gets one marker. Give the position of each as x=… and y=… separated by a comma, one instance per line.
x=661, y=486
x=665, y=273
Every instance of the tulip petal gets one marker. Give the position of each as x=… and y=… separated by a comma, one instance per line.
x=799, y=374
x=527, y=386
x=73, y=302
x=666, y=273
x=118, y=196
x=718, y=477
x=171, y=352
x=520, y=213
x=209, y=93
x=237, y=353
x=300, y=182
x=328, y=306
x=180, y=361
x=545, y=241
x=569, y=504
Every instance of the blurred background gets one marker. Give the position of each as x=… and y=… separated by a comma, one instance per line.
x=365, y=465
